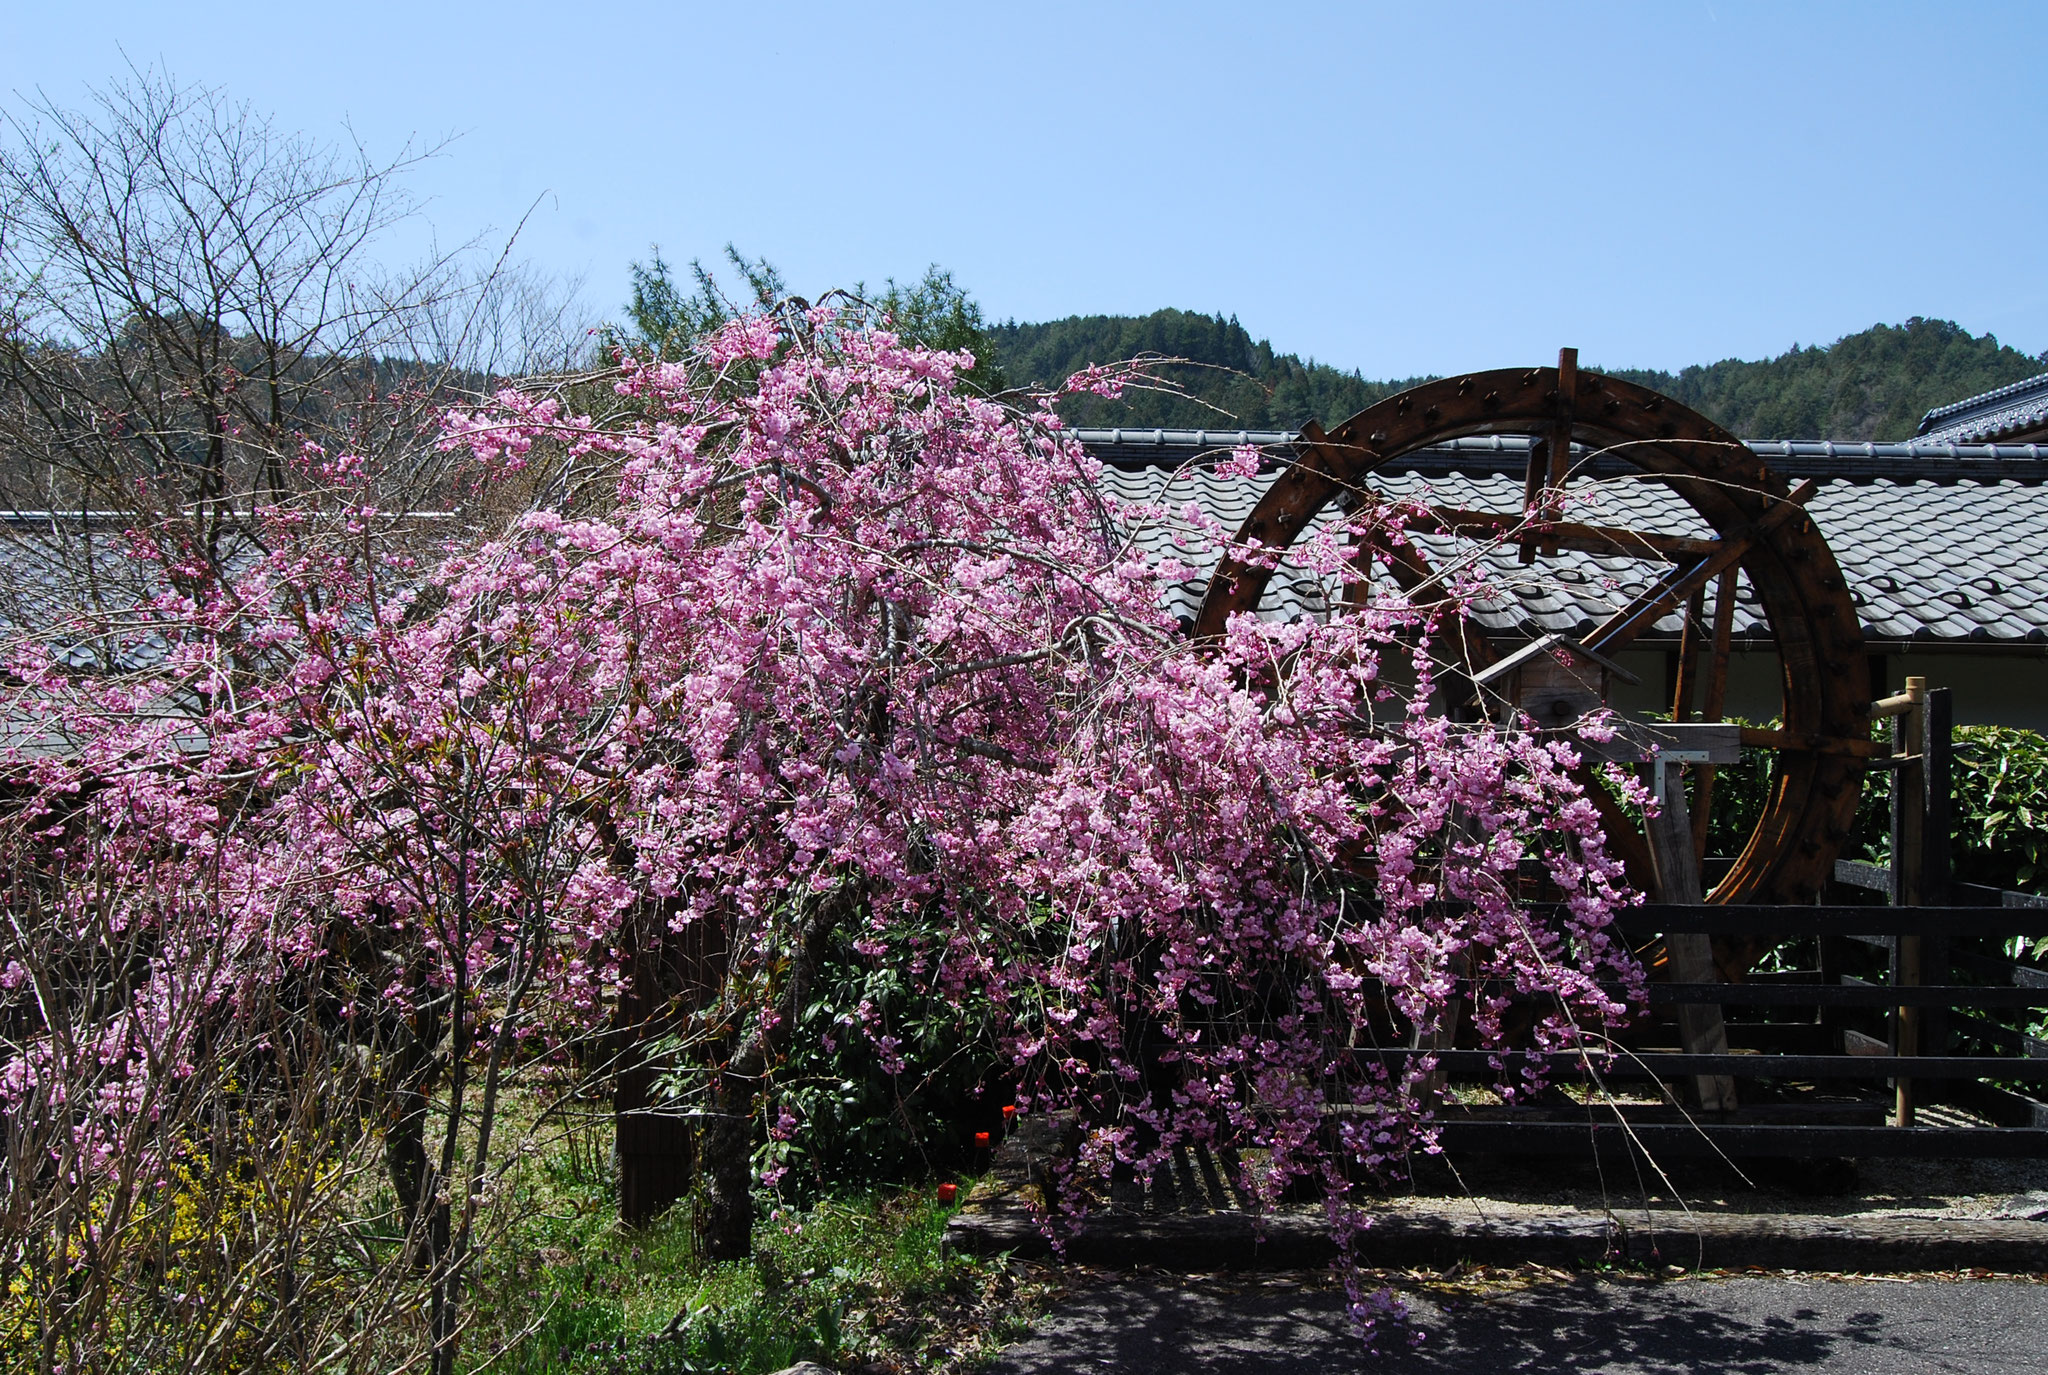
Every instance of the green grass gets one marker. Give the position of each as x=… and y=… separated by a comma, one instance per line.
x=860, y=1281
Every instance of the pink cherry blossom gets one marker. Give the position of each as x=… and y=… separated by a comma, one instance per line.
x=841, y=644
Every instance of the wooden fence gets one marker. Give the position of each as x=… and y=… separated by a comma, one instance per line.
x=1889, y=1031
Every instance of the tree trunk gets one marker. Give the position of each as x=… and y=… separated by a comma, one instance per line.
x=405, y=1153
x=725, y=1142
x=416, y=1067
x=668, y=975
x=725, y=1151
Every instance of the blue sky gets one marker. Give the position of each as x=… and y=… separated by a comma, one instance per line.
x=1397, y=188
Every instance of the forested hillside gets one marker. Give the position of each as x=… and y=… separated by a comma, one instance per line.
x=1875, y=384
x=1231, y=380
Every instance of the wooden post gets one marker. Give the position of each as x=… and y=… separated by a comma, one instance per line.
x=1700, y=1028
x=1561, y=438
x=1909, y=824
x=1688, y=670
x=1550, y=457
x=1533, y=485
x=1445, y=1034
x=1717, y=698
x=1937, y=725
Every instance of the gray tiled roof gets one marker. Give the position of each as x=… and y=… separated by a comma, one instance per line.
x=1953, y=555
x=1938, y=542
x=2012, y=409
x=1509, y=453
x=71, y=579
x=55, y=564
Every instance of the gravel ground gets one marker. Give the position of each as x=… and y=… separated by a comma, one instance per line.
x=1901, y=1188
x=1295, y=1325
x=1537, y=1319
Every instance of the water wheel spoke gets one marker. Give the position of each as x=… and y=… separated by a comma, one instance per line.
x=1613, y=541
x=1678, y=585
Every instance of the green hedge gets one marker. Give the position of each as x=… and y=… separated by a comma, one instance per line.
x=1998, y=799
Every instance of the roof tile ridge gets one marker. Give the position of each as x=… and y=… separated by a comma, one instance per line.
x=2010, y=389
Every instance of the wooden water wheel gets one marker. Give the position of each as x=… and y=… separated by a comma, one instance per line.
x=1761, y=536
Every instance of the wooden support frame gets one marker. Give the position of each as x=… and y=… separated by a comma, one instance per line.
x=1550, y=458
x=1560, y=448
x=1864, y=1127
x=1700, y=1026
x=1717, y=696
x=1659, y=1064
x=1921, y=749
x=1684, y=680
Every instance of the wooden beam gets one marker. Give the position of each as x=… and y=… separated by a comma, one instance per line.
x=1411, y=571
x=1765, y=738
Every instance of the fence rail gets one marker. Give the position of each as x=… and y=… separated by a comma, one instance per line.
x=1678, y=1064
x=1898, y=995
x=1763, y=920
x=1739, y=1140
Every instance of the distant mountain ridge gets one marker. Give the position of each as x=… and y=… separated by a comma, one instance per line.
x=1872, y=385
x=1232, y=381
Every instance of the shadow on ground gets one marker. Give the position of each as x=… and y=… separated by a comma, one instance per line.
x=1737, y=1325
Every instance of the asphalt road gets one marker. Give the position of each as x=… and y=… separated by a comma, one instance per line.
x=1156, y=1325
